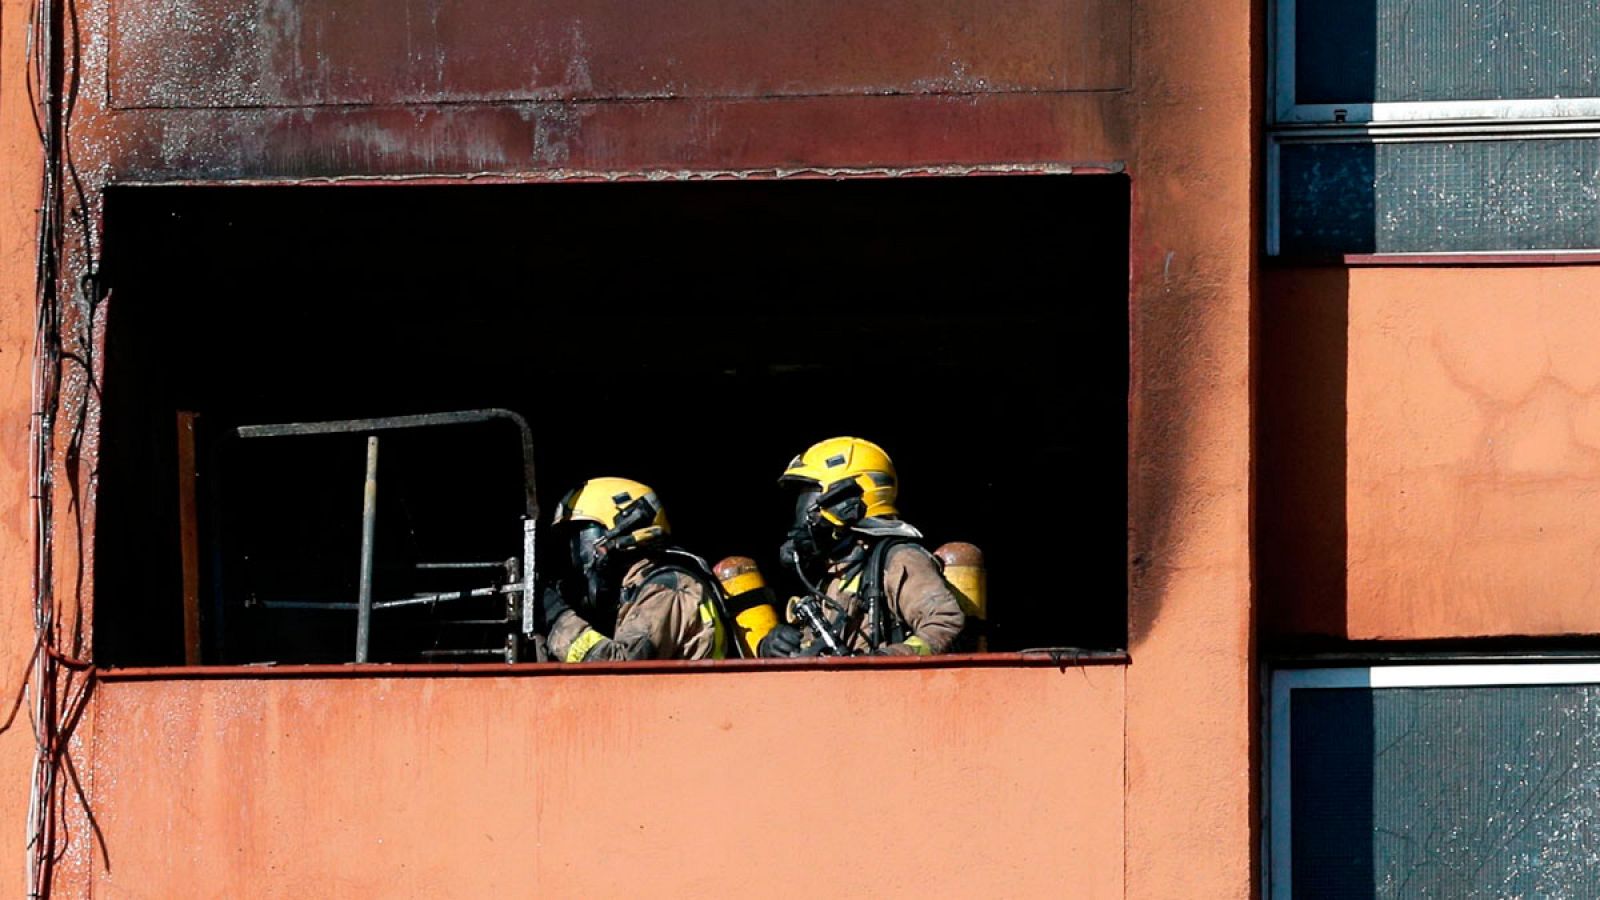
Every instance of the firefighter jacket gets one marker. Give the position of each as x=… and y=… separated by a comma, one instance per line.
x=916, y=596
x=664, y=613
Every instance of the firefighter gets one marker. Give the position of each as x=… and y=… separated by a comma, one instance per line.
x=876, y=589
x=626, y=578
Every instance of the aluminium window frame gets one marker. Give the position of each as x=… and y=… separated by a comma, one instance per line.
x=1278, y=871
x=1411, y=132
x=1285, y=111
x=1401, y=122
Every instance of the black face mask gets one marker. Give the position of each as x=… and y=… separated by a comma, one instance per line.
x=812, y=539
x=589, y=571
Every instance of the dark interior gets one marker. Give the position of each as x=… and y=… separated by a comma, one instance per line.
x=694, y=336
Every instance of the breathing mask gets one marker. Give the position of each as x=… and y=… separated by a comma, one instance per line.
x=822, y=521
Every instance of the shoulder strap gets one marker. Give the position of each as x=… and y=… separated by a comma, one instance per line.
x=681, y=562
x=671, y=562
x=882, y=628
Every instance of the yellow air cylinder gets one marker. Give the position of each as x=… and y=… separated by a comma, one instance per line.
x=963, y=569
x=750, y=601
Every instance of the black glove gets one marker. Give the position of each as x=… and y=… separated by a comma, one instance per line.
x=781, y=642
x=552, y=604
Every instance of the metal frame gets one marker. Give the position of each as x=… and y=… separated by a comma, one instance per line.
x=1409, y=133
x=523, y=576
x=1453, y=120
x=1281, y=85
x=1278, y=852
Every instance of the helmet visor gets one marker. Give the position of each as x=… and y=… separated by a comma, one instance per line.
x=588, y=569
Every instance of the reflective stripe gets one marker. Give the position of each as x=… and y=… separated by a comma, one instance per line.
x=708, y=616
x=852, y=586
x=919, y=645
x=581, y=647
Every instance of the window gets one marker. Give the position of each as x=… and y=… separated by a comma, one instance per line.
x=694, y=336
x=1434, y=126
x=1435, y=781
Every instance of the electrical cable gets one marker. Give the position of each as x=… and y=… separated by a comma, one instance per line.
x=56, y=680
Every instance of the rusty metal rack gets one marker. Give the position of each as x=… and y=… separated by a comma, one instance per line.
x=514, y=579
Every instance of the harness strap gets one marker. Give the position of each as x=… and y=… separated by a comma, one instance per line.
x=884, y=627
x=713, y=609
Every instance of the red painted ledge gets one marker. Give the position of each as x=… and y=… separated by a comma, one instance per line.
x=1063, y=659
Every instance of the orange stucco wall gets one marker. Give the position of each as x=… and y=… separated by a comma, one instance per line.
x=19, y=199
x=1132, y=782
x=1190, y=729
x=793, y=783
x=1438, y=451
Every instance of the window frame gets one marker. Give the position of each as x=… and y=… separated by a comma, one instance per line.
x=1060, y=657
x=1278, y=869
x=1285, y=111
x=1288, y=122
x=1416, y=133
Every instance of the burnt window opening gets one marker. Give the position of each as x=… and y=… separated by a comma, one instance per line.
x=693, y=336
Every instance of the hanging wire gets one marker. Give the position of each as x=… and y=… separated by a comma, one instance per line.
x=57, y=683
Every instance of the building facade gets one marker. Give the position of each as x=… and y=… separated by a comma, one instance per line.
x=1323, y=438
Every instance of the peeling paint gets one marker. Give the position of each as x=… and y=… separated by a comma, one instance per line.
x=222, y=54
x=618, y=175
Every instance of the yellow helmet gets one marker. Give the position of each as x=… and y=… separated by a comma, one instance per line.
x=829, y=463
x=603, y=500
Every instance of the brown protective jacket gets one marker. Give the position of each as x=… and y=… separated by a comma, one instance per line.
x=669, y=616
x=916, y=593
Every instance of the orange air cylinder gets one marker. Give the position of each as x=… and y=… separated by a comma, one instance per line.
x=963, y=569
x=750, y=601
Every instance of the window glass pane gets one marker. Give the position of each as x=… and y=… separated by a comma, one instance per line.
x=1440, y=196
x=1377, y=51
x=1446, y=792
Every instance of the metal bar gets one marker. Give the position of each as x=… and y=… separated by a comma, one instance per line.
x=426, y=420
x=445, y=596
x=189, y=537
x=369, y=521
x=418, y=600
x=471, y=623
x=513, y=609
x=532, y=612
x=448, y=566
x=385, y=423
x=479, y=652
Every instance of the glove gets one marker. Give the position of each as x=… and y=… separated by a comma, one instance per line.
x=782, y=641
x=552, y=604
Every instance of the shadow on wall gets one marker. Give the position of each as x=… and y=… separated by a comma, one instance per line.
x=1163, y=438
x=1301, y=526
x=1333, y=756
